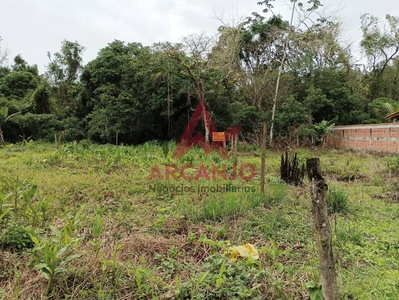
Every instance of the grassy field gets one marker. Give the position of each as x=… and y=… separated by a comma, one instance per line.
x=85, y=221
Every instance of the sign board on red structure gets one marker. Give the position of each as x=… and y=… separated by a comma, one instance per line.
x=187, y=141
x=218, y=136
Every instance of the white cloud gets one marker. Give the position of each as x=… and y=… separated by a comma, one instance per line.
x=33, y=27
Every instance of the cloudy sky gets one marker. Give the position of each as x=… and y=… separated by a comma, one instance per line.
x=33, y=27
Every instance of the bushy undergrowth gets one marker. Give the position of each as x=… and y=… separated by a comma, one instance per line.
x=86, y=221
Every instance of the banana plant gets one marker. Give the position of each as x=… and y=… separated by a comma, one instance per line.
x=320, y=131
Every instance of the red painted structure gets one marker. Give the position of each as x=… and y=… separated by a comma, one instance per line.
x=187, y=142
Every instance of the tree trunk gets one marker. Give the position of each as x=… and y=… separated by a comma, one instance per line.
x=322, y=228
x=280, y=70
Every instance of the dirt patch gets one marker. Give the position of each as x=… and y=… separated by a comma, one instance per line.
x=390, y=196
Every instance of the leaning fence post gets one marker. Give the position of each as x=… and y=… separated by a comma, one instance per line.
x=322, y=228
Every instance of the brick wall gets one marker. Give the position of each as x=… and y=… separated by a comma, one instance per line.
x=375, y=138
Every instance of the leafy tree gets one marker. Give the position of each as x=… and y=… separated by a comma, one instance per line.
x=4, y=69
x=306, y=11
x=385, y=85
x=28, y=95
x=21, y=65
x=381, y=47
x=63, y=72
x=65, y=66
x=292, y=120
x=327, y=94
x=17, y=84
x=126, y=92
x=4, y=117
x=3, y=56
x=41, y=99
x=193, y=56
x=34, y=126
x=246, y=54
x=103, y=78
x=261, y=54
x=318, y=47
x=380, y=108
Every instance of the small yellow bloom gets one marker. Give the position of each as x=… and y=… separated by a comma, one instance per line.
x=244, y=251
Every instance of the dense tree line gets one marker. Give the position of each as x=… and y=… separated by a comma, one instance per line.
x=136, y=93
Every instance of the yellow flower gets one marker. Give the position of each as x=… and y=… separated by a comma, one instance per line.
x=243, y=251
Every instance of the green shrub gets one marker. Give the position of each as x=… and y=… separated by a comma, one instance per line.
x=221, y=278
x=337, y=202
x=18, y=237
x=393, y=164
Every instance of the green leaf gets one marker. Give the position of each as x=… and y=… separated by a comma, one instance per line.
x=316, y=294
x=204, y=239
x=44, y=268
x=202, y=277
x=315, y=291
x=310, y=284
x=219, y=282
x=96, y=228
x=61, y=251
x=3, y=112
x=222, y=269
x=138, y=276
x=59, y=271
x=30, y=194
x=3, y=214
x=56, y=231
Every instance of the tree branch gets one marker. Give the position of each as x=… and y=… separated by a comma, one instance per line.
x=10, y=116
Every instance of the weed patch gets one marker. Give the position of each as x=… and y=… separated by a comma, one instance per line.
x=80, y=221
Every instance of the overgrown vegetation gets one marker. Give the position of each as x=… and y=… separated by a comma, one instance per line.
x=81, y=221
x=132, y=93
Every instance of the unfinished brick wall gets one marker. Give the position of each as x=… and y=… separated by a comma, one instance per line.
x=374, y=138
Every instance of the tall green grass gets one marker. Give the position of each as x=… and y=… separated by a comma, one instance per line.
x=231, y=205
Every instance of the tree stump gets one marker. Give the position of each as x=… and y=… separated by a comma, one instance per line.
x=290, y=172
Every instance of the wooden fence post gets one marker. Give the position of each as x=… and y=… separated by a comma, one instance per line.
x=263, y=163
x=235, y=148
x=322, y=228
